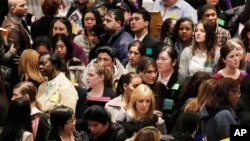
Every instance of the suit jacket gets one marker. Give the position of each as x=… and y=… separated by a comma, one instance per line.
x=152, y=46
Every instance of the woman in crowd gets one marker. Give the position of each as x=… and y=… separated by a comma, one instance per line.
x=72, y=66
x=105, y=56
x=147, y=70
x=135, y=54
x=194, y=104
x=90, y=18
x=28, y=67
x=62, y=120
x=217, y=113
x=229, y=62
x=204, y=53
x=188, y=91
x=142, y=105
x=99, y=81
x=42, y=44
x=167, y=65
x=183, y=34
x=149, y=133
x=40, y=125
x=62, y=25
x=17, y=125
x=101, y=126
x=119, y=105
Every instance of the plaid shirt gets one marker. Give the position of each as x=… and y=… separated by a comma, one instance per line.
x=222, y=36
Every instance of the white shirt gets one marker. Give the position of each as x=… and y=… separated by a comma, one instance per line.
x=141, y=38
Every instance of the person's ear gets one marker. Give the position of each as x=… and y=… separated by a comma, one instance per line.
x=125, y=86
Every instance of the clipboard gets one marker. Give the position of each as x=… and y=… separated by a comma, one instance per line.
x=156, y=19
x=75, y=20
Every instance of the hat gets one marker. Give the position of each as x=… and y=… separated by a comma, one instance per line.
x=123, y=6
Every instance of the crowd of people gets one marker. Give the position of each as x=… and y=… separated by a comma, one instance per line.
x=94, y=72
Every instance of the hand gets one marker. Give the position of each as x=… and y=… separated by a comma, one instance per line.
x=204, y=138
x=13, y=49
x=158, y=113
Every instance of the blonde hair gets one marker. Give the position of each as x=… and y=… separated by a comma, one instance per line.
x=239, y=42
x=28, y=66
x=139, y=92
x=106, y=72
x=149, y=133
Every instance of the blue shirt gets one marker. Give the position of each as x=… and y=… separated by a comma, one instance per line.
x=180, y=9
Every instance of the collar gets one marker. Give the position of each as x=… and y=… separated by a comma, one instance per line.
x=165, y=81
x=56, y=80
x=177, y=4
x=141, y=38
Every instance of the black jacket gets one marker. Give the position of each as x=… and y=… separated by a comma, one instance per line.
x=114, y=133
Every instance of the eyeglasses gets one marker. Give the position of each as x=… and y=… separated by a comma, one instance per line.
x=71, y=121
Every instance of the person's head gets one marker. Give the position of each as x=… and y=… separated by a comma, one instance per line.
x=167, y=27
x=42, y=44
x=149, y=133
x=18, y=7
x=60, y=25
x=135, y=52
x=27, y=90
x=228, y=91
x=61, y=45
x=105, y=56
x=62, y=119
x=126, y=11
x=189, y=122
x=147, y=69
x=191, y=87
x=208, y=12
x=50, y=7
x=94, y=35
x=98, y=74
x=127, y=83
x=183, y=30
x=167, y=60
x=241, y=49
x=90, y=18
x=245, y=35
x=140, y=20
x=142, y=102
x=113, y=20
x=28, y=66
x=204, y=35
x=19, y=116
x=98, y=119
x=49, y=63
x=229, y=56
